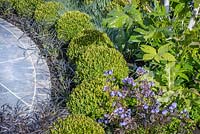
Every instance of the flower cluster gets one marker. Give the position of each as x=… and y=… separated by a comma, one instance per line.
x=147, y=110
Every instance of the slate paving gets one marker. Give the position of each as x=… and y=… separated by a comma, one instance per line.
x=24, y=74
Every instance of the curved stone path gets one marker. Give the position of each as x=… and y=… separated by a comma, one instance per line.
x=24, y=75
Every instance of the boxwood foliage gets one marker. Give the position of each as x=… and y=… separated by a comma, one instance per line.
x=88, y=98
x=71, y=23
x=80, y=43
x=26, y=8
x=48, y=13
x=98, y=59
x=77, y=124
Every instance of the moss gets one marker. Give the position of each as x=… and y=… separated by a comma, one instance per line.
x=98, y=59
x=26, y=8
x=77, y=124
x=80, y=43
x=71, y=23
x=89, y=99
x=48, y=12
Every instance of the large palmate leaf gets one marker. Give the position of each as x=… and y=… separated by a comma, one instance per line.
x=24, y=78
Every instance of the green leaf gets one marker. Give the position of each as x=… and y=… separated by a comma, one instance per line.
x=179, y=8
x=157, y=58
x=135, y=14
x=141, y=31
x=147, y=57
x=163, y=49
x=149, y=35
x=184, y=76
x=196, y=3
x=168, y=57
x=117, y=19
x=134, y=39
x=148, y=49
x=166, y=96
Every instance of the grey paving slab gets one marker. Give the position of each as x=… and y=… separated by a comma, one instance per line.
x=24, y=75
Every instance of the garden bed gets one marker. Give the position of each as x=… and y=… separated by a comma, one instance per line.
x=91, y=78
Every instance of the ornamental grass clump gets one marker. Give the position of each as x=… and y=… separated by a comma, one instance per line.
x=143, y=113
x=5, y=5
x=89, y=99
x=77, y=124
x=84, y=39
x=71, y=23
x=98, y=59
x=26, y=8
x=48, y=13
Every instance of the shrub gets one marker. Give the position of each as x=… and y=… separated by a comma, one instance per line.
x=143, y=113
x=98, y=59
x=80, y=43
x=71, y=23
x=77, y=124
x=26, y=8
x=48, y=12
x=89, y=99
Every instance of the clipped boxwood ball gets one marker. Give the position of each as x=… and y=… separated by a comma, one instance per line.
x=77, y=124
x=48, y=12
x=89, y=99
x=98, y=59
x=80, y=43
x=71, y=23
x=26, y=8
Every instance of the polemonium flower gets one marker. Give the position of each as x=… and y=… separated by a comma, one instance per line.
x=119, y=94
x=174, y=105
x=140, y=71
x=164, y=112
x=112, y=93
x=129, y=81
x=145, y=106
x=157, y=110
x=123, y=123
x=106, y=88
x=109, y=72
x=153, y=111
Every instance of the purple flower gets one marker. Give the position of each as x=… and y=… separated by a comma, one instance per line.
x=129, y=81
x=106, y=115
x=164, y=112
x=171, y=108
x=109, y=72
x=123, y=116
x=113, y=93
x=106, y=88
x=174, y=105
x=153, y=111
x=119, y=110
x=123, y=123
x=151, y=84
x=140, y=71
x=157, y=110
x=158, y=103
x=119, y=94
x=145, y=106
